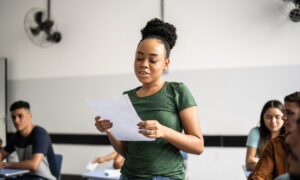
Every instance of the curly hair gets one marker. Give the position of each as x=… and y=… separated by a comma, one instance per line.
x=156, y=28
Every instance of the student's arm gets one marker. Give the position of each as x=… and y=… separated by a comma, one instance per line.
x=118, y=162
x=31, y=164
x=251, y=159
x=105, y=158
x=104, y=126
x=191, y=141
x=264, y=168
x=3, y=155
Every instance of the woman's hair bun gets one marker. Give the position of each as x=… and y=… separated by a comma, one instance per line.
x=156, y=27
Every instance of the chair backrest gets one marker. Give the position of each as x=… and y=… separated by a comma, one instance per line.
x=184, y=155
x=58, y=161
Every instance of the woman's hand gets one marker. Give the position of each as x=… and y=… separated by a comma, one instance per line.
x=151, y=129
x=103, y=125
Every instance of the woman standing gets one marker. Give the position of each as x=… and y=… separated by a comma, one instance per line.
x=166, y=109
x=271, y=125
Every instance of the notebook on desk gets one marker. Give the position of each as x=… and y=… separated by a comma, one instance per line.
x=246, y=171
x=5, y=172
x=108, y=174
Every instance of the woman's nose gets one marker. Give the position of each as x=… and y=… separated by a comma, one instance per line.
x=144, y=63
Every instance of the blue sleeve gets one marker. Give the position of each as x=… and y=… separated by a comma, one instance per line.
x=10, y=146
x=41, y=142
x=253, y=138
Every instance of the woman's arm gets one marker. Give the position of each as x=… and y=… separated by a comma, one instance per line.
x=119, y=146
x=191, y=141
x=104, y=126
x=251, y=159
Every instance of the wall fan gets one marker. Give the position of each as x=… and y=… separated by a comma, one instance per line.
x=290, y=8
x=40, y=28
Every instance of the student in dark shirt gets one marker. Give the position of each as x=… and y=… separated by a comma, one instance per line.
x=32, y=145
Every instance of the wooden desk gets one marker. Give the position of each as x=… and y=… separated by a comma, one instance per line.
x=100, y=174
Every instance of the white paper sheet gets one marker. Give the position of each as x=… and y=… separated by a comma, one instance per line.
x=91, y=166
x=122, y=114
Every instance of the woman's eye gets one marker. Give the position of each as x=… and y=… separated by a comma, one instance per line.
x=139, y=59
x=152, y=61
x=268, y=117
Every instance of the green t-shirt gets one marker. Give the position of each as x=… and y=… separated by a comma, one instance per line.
x=145, y=159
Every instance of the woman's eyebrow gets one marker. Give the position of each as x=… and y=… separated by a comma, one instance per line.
x=151, y=54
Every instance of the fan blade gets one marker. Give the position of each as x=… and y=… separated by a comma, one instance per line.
x=35, y=31
x=38, y=17
x=55, y=37
x=295, y=15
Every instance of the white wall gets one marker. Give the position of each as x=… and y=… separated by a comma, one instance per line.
x=232, y=34
x=99, y=40
x=100, y=36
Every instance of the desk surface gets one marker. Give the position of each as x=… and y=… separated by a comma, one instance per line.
x=100, y=174
x=246, y=171
x=5, y=172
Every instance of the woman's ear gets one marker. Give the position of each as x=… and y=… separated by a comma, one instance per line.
x=167, y=62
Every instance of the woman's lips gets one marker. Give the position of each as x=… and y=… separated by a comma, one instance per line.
x=143, y=73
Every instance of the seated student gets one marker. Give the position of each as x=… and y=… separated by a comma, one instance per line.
x=32, y=144
x=273, y=160
x=118, y=159
x=271, y=125
x=293, y=142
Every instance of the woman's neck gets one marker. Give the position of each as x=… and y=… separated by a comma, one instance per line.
x=149, y=89
x=275, y=134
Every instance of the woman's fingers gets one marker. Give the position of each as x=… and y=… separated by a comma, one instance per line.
x=102, y=125
x=149, y=124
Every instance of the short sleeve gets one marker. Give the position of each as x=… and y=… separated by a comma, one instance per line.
x=184, y=97
x=41, y=141
x=253, y=138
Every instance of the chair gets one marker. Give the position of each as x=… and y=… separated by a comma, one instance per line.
x=58, y=161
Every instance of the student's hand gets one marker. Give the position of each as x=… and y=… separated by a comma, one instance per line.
x=1, y=165
x=99, y=160
x=151, y=129
x=103, y=125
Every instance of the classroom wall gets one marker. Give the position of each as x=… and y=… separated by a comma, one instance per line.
x=226, y=51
